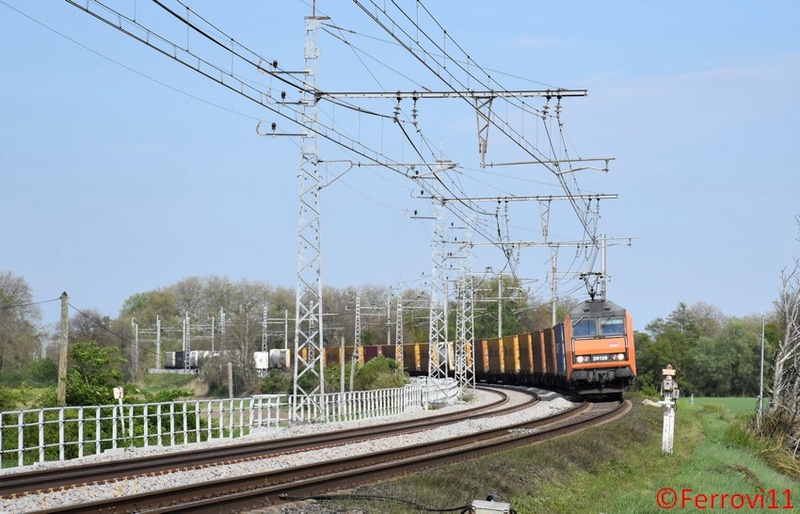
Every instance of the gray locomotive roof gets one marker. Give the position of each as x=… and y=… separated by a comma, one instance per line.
x=596, y=308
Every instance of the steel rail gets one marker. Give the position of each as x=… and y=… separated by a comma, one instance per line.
x=51, y=479
x=272, y=487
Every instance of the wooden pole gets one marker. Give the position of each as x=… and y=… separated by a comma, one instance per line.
x=62, y=358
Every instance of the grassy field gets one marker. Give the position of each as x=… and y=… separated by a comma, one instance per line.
x=736, y=405
x=615, y=468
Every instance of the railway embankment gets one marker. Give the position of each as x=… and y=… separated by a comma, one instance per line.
x=617, y=467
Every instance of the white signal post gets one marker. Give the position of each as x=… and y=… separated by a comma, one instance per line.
x=670, y=393
x=119, y=394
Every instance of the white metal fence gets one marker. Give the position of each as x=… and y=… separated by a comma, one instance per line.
x=56, y=434
x=349, y=406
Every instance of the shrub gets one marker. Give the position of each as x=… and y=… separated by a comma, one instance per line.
x=277, y=381
x=379, y=373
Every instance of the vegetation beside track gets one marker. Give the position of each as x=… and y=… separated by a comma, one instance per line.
x=614, y=468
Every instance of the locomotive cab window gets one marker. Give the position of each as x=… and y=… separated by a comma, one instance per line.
x=612, y=326
x=584, y=328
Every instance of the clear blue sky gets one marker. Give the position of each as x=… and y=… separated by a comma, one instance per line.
x=124, y=172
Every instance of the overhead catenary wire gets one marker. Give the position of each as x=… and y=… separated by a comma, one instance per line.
x=335, y=135
x=504, y=128
x=26, y=304
x=285, y=109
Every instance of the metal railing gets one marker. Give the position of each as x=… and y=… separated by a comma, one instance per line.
x=61, y=433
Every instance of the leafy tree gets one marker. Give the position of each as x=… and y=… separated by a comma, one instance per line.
x=19, y=319
x=647, y=360
x=711, y=367
x=91, y=325
x=670, y=345
x=92, y=374
x=148, y=306
x=742, y=338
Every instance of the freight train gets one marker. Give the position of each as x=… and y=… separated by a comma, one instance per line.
x=591, y=353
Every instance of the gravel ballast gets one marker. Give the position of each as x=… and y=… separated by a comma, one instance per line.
x=550, y=404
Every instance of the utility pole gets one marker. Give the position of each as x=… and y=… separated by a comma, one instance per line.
x=64, y=353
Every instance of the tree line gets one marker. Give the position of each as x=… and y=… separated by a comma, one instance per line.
x=715, y=355
x=205, y=301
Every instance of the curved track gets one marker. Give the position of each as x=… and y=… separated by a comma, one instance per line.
x=60, y=478
x=259, y=490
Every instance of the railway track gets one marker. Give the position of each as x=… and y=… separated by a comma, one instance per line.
x=262, y=489
x=30, y=482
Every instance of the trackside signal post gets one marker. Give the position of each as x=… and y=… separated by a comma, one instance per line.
x=670, y=394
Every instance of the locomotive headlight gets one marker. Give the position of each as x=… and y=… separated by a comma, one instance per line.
x=580, y=359
x=620, y=356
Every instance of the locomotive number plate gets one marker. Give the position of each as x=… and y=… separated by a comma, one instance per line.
x=597, y=358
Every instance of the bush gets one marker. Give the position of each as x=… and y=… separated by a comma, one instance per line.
x=277, y=381
x=43, y=372
x=379, y=373
x=9, y=399
x=93, y=374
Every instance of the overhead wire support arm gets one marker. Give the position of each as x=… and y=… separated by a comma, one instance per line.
x=605, y=160
x=528, y=93
x=628, y=241
x=482, y=99
x=558, y=171
x=537, y=198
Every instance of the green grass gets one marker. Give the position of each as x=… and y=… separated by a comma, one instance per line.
x=158, y=381
x=735, y=405
x=614, y=468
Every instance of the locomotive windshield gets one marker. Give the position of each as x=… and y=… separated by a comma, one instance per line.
x=607, y=327
x=612, y=326
x=584, y=328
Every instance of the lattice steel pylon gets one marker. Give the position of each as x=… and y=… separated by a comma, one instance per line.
x=264, y=329
x=308, y=349
x=437, y=333
x=398, y=336
x=465, y=321
x=187, y=344
x=465, y=335
x=356, y=341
